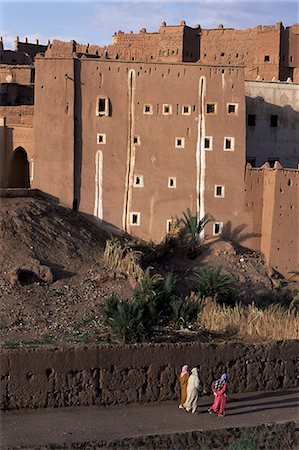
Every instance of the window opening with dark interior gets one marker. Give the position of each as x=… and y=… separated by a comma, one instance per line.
x=210, y=108
x=274, y=121
x=251, y=120
x=217, y=228
x=266, y=58
x=231, y=109
x=228, y=144
x=218, y=191
x=207, y=142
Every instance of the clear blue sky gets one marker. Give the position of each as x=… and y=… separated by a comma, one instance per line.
x=95, y=21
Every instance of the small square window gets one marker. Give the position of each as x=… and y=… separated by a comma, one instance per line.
x=135, y=219
x=219, y=191
x=138, y=181
x=101, y=138
x=186, y=110
x=148, y=109
x=229, y=144
x=266, y=58
x=222, y=54
x=217, y=228
x=167, y=110
x=274, y=121
x=136, y=140
x=172, y=182
x=211, y=108
x=251, y=120
x=232, y=108
x=208, y=141
x=102, y=108
x=179, y=142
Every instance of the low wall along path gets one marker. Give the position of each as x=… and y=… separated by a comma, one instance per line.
x=41, y=378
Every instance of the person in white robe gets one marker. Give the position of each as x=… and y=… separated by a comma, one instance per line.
x=193, y=390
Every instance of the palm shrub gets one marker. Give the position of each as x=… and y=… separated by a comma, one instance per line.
x=193, y=227
x=211, y=283
x=157, y=292
x=130, y=321
x=184, y=310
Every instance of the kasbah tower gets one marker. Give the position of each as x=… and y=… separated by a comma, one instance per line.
x=137, y=132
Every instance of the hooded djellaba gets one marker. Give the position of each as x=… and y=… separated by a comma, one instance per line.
x=193, y=389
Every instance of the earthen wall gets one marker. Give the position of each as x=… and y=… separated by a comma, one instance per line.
x=54, y=120
x=272, y=197
x=105, y=172
x=22, y=74
x=274, y=134
x=141, y=373
x=258, y=49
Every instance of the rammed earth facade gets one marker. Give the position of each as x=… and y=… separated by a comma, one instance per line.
x=136, y=143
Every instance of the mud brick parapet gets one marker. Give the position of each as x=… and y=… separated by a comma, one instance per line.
x=40, y=378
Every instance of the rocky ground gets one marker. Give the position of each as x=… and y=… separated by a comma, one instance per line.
x=53, y=281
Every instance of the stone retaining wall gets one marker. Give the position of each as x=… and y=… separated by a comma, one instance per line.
x=40, y=378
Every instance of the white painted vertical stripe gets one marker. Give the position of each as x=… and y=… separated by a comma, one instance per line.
x=200, y=151
x=98, y=205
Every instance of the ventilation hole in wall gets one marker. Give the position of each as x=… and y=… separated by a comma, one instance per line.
x=188, y=132
x=168, y=71
x=158, y=108
x=177, y=109
x=290, y=182
x=194, y=107
x=292, y=206
x=277, y=248
x=184, y=71
x=163, y=75
x=109, y=69
x=179, y=74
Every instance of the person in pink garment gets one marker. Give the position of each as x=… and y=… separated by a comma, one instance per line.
x=219, y=390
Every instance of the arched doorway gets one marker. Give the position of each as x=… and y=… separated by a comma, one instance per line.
x=19, y=173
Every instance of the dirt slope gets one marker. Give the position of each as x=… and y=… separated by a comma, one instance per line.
x=34, y=232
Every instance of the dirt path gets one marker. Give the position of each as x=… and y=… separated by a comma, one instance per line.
x=74, y=425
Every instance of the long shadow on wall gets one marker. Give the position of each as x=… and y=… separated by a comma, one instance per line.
x=235, y=235
x=272, y=131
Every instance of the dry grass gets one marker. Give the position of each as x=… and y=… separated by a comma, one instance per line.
x=272, y=323
x=122, y=259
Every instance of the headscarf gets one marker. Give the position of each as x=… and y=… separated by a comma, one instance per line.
x=184, y=370
x=218, y=384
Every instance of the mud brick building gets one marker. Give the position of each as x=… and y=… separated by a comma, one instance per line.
x=136, y=132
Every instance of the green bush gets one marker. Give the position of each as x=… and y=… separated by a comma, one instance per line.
x=193, y=227
x=184, y=310
x=157, y=292
x=210, y=283
x=130, y=321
